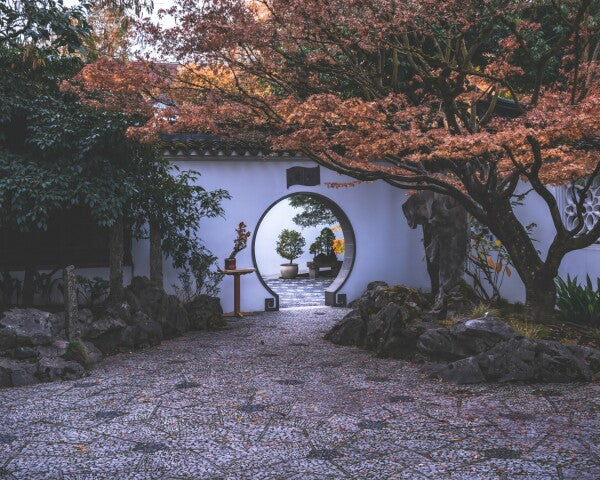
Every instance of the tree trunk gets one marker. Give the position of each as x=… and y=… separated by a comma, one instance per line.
x=540, y=298
x=117, y=242
x=537, y=275
x=156, y=255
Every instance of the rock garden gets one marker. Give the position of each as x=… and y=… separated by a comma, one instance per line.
x=34, y=345
x=470, y=345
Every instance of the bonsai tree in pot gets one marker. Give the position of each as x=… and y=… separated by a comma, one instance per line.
x=290, y=245
x=240, y=242
x=322, y=248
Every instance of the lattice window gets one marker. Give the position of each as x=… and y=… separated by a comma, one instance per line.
x=591, y=205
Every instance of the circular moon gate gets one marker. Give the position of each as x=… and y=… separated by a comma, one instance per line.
x=332, y=298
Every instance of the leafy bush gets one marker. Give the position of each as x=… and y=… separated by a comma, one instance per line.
x=77, y=351
x=489, y=263
x=578, y=303
x=290, y=244
x=45, y=283
x=199, y=278
x=91, y=290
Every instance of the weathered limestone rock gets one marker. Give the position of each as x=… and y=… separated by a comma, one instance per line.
x=14, y=373
x=165, y=309
x=94, y=355
x=113, y=318
x=205, y=312
x=522, y=359
x=465, y=338
x=146, y=317
x=445, y=237
x=56, y=368
x=384, y=319
x=26, y=327
x=350, y=331
x=34, y=345
x=462, y=371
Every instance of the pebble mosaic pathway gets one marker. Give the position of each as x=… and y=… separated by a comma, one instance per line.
x=300, y=291
x=268, y=398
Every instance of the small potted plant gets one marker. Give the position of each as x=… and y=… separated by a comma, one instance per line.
x=290, y=246
x=239, y=244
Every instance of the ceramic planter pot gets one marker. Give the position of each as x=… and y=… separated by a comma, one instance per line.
x=289, y=270
x=230, y=263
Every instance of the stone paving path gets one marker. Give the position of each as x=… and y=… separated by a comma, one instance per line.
x=300, y=291
x=269, y=399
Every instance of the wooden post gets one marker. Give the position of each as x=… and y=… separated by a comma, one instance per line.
x=236, y=294
x=70, y=299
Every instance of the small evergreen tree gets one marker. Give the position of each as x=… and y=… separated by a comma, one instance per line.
x=290, y=244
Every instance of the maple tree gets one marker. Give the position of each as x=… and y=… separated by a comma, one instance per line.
x=476, y=99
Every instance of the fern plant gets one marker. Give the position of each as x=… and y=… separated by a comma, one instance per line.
x=578, y=303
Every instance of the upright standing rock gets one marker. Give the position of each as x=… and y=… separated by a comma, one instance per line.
x=70, y=294
x=445, y=237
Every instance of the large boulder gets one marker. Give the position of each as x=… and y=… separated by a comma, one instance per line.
x=34, y=347
x=144, y=295
x=205, y=312
x=389, y=321
x=94, y=355
x=112, y=317
x=175, y=322
x=15, y=373
x=56, y=368
x=145, y=316
x=465, y=338
x=26, y=327
x=384, y=319
x=351, y=330
x=522, y=359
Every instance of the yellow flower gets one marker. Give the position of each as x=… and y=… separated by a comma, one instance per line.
x=339, y=245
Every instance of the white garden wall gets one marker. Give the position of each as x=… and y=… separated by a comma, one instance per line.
x=386, y=248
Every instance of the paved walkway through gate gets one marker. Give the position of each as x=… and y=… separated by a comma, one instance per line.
x=300, y=291
x=270, y=399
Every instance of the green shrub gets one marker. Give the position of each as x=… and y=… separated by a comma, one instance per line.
x=77, y=351
x=578, y=303
x=290, y=244
x=91, y=290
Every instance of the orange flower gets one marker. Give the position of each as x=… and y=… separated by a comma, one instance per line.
x=339, y=245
